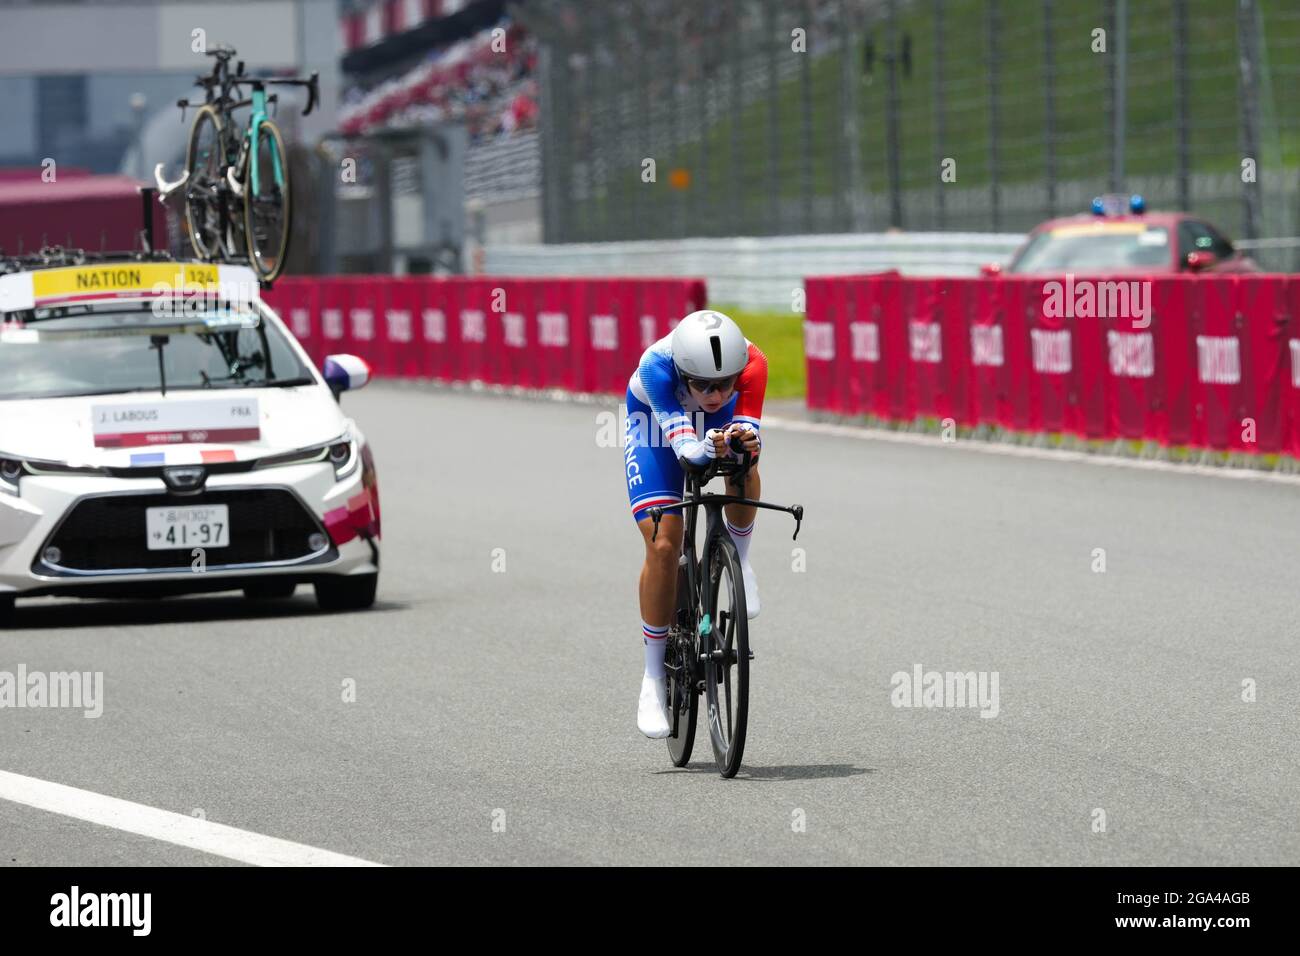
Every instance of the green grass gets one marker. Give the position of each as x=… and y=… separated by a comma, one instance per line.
x=730, y=165
x=780, y=336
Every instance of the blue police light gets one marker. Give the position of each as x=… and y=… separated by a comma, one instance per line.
x=1137, y=204
x=1098, y=207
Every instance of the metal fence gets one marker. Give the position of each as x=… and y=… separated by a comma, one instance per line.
x=675, y=118
x=766, y=272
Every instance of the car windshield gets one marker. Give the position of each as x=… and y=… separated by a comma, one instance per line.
x=111, y=348
x=1095, y=248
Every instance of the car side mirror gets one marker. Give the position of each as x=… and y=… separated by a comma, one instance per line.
x=1199, y=260
x=345, y=373
x=991, y=269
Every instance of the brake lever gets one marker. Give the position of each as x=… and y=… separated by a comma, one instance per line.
x=656, y=513
x=797, y=511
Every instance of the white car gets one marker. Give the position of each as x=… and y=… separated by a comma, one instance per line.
x=161, y=432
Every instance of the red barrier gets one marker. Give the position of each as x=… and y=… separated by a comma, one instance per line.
x=937, y=348
x=612, y=323
x=1291, y=386
x=518, y=333
x=1264, y=308
x=335, y=299
x=1202, y=361
x=819, y=345
x=440, y=325
x=296, y=300
x=578, y=334
x=402, y=322
x=555, y=361
x=865, y=382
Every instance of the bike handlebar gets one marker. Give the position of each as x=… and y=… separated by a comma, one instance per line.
x=313, y=89
x=222, y=77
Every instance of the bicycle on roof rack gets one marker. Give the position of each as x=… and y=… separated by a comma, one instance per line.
x=236, y=183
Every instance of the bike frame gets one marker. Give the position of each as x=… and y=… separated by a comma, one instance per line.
x=713, y=504
x=255, y=121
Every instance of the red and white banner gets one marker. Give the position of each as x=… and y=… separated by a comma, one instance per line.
x=583, y=335
x=1198, y=361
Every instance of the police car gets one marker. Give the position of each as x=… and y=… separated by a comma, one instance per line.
x=1121, y=236
x=161, y=432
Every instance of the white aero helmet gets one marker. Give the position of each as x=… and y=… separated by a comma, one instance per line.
x=709, y=345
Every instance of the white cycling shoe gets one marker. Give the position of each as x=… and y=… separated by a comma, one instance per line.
x=652, y=710
x=752, y=606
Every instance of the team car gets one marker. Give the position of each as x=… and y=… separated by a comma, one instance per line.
x=1121, y=236
x=162, y=432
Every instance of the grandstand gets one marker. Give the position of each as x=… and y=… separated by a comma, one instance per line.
x=418, y=63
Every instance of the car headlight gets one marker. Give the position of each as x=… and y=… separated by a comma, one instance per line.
x=345, y=459
x=13, y=470
x=303, y=456
x=343, y=455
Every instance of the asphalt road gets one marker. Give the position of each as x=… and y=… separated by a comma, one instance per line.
x=494, y=712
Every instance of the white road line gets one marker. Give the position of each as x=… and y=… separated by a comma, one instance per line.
x=864, y=433
x=164, y=825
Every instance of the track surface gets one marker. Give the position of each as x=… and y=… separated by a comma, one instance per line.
x=508, y=697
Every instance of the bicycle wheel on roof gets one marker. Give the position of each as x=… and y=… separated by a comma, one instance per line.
x=267, y=202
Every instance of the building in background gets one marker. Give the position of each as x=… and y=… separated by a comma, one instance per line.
x=92, y=95
x=423, y=64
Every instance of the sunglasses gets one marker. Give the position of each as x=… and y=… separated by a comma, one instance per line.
x=705, y=386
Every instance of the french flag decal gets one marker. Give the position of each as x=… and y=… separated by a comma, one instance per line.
x=343, y=372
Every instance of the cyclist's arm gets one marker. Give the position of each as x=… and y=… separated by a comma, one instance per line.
x=751, y=388
x=658, y=380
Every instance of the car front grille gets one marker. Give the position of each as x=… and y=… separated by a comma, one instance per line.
x=108, y=534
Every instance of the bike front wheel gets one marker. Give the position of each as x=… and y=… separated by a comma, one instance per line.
x=266, y=203
x=205, y=164
x=726, y=651
x=681, y=667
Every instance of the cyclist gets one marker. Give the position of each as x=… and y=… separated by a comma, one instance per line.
x=703, y=379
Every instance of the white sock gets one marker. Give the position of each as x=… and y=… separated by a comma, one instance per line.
x=655, y=639
x=741, y=536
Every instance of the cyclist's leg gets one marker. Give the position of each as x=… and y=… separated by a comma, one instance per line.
x=740, y=518
x=653, y=478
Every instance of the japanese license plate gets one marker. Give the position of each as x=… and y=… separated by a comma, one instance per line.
x=196, y=526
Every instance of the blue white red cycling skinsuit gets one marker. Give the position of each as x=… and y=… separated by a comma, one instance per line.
x=665, y=423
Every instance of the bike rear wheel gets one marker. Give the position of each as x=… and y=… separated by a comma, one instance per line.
x=205, y=164
x=726, y=648
x=266, y=210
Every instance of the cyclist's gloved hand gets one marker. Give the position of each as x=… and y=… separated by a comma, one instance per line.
x=748, y=435
x=718, y=438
